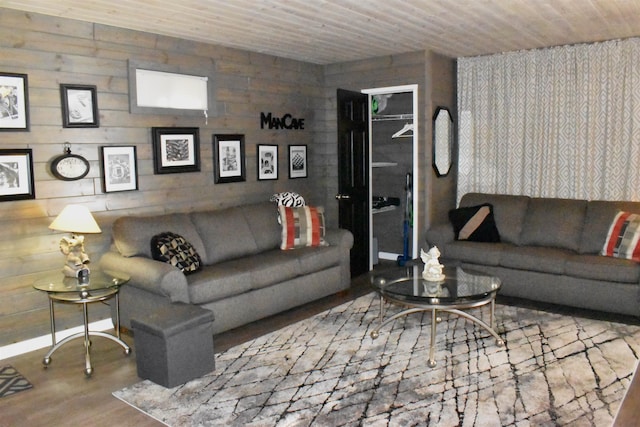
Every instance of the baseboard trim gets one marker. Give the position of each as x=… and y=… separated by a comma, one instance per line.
x=44, y=341
x=388, y=256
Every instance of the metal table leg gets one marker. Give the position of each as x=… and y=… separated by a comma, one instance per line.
x=85, y=334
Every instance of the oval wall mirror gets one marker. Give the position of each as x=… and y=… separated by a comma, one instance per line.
x=442, y=141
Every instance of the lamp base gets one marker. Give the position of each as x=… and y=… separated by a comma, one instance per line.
x=77, y=260
x=79, y=272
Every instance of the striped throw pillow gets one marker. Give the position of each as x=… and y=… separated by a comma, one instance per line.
x=623, y=237
x=302, y=226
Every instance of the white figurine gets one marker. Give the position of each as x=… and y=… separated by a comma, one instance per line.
x=432, y=267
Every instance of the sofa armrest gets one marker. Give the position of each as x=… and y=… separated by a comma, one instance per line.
x=153, y=276
x=440, y=235
x=339, y=237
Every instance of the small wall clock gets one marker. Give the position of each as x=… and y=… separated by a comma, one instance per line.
x=69, y=167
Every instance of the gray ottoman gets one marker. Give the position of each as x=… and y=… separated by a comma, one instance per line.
x=174, y=345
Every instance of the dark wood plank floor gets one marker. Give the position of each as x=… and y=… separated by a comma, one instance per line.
x=63, y=396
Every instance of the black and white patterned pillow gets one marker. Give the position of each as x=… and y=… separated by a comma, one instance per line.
x=175, y=250
x=288, y=198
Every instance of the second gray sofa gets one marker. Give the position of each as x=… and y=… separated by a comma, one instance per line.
x=549, y=250
x=245, y=274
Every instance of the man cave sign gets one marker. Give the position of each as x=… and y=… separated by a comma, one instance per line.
x=285, y=122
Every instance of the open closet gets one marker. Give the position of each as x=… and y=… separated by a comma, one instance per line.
x=393, y=137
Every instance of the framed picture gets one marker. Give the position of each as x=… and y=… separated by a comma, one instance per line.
x=267, y=162
x=16, y=175
x=79, y=106
x=119, y=168
x=228, y=153
x=14, y=102
x=176, y=150
x=297, y=161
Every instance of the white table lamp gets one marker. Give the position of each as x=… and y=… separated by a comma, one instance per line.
x=75, y=219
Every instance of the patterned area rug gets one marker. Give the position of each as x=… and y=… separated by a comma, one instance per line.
x=12, y=382
x=327, y=371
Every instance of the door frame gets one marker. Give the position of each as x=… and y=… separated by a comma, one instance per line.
x=414, y=191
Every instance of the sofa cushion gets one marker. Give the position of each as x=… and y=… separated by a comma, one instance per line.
x=623, y=239
x=302, y=226
x=596, y=267
x=271, y=267
x=508, y=211
x=263, y=223
x=535, y=258
x=132, y=234
x=554, y=223
x=475, y=223
x=175, y=250
x=315, y=259
x=475, y=252
x=225, y=234
x=223, y=280
x=600, y=213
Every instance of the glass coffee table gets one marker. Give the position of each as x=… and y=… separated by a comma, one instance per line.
x=98, y=286
x=460, y=290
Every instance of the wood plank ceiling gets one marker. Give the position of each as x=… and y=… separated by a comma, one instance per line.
x=329, y=31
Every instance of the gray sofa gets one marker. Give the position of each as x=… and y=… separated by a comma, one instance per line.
x=549, y=251
x=246, y=276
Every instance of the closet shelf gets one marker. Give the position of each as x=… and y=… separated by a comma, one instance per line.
x=384, y=209
x=383, y=164
x=385, y=117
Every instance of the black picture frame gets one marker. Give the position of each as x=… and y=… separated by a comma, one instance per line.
x=228, y=158
x=298, y=163
x=14, y=102
x=119, y=168
x=16, y=174
x=79, y=106
x=176, y=150
x=267, y=162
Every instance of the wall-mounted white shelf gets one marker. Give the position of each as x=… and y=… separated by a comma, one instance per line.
x=385, y=117
x=383, y=164
x=384, y=209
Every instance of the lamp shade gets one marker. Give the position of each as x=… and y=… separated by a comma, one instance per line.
x=75, y=219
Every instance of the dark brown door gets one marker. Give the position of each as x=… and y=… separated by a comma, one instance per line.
x=353, y=174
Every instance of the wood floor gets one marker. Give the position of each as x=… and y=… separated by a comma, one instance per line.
x=63, y=396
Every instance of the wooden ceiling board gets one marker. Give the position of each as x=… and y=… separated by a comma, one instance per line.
x=330, y=31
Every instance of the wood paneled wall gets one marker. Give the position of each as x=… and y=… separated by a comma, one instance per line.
x=52, y=51
x=436, y=76
x=395, y=70
x=442, y=85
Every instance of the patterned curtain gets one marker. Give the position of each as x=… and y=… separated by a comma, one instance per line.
x=557, y=122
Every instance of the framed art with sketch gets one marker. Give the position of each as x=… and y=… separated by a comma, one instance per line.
x=297, y=161
x=79, y=106
x=267, y=162
x=228, y=152
x=16, y=174
x=176, y=150
x=119, y=168
x=14, y=102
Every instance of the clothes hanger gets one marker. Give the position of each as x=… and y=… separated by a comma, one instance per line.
x=408, y=127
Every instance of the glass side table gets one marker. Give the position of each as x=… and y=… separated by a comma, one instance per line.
x=98, y=286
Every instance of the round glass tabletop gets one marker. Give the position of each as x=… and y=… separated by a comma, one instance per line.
x=459, y=285
x=97, y=281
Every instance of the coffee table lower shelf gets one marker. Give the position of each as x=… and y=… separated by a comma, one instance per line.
x=456, y=309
